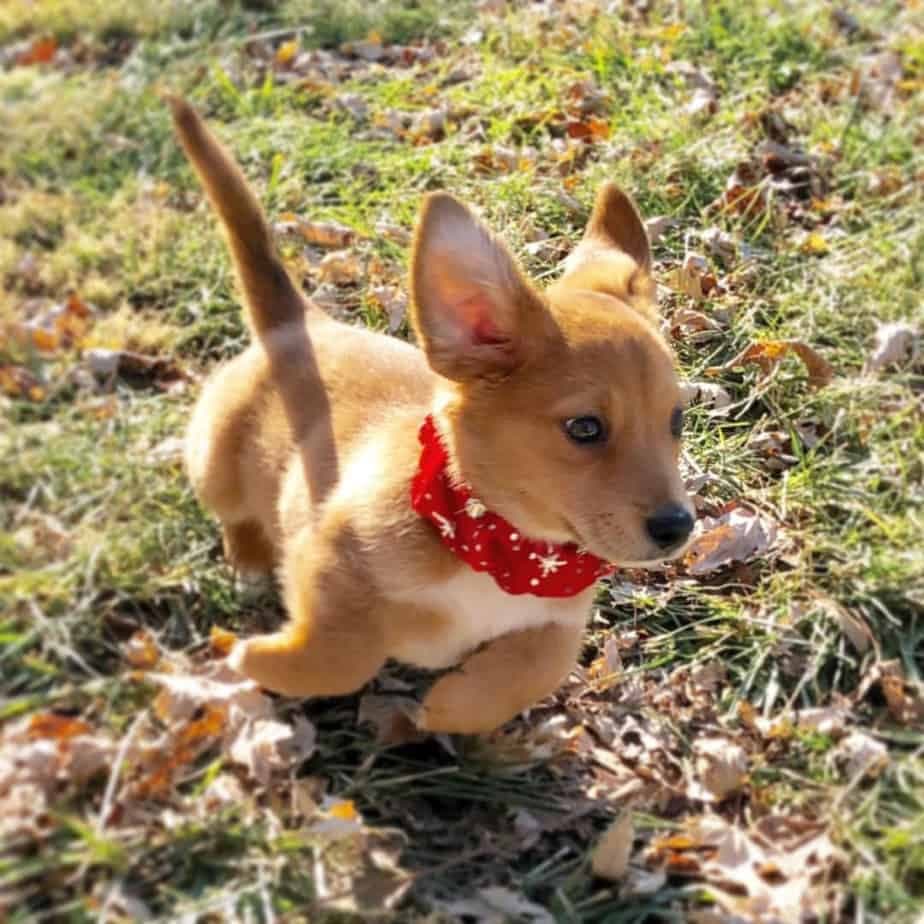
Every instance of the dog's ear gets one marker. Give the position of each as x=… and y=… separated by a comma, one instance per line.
x=614, y=256
x=473, y=312
x=616, y=223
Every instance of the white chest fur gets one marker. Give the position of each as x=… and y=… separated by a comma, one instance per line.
x=476, y=610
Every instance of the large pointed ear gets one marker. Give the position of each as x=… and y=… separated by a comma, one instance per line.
x=473, y=312
x=616, y=223
x=614, y=256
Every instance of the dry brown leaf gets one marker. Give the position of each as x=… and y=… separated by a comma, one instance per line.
x=657, y=226
x=41, y=50
x=136, y=369
x=853, y=626
x=894, y=345
x=394, y=718
x=692, y=277
x=141, y=650
x=721, y=769
x=589, y=129
x=394, y=233
x=740, y=534
x=688, y=324
x=182, y=695
x=341, y=268
x=20, y=382
x=708, y=393
x=703, y=103
x=767, y=354
x=610, y=858
x=286, y=52
x=780, y=871
x=353, y=104
x=221, y=641
x=393, y=301
x=496, y=905
x=184, y=745
x=720, y=244
x=61, y=327
x=328, y=234
x=267, y=745
x=877, y=78
x=862, y=755
x=168, y=451
x=904, y=698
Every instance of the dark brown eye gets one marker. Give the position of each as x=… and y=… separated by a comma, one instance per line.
x=585, y=429
x=677, y=423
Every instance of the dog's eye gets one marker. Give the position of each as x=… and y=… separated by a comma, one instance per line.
x=677, y=422
x=585, y=429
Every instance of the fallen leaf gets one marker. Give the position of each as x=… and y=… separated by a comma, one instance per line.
x=814, y=243
x=780, y=870
x=221, y=641
x=904, y=698
x=40, y=51
x=862, y=755
x=894, y=345
x=19, y=382
x=61, y=327
x=610, y=857
x=767, y=354
x=721, y=769
x=590, y=129
x=693, y=277
x=328, y=234
x=183, y=695
x=689, y=324
x=702, y=104
x=429, y=125
x=55, y=726
x=740, y=534
x=497, y=905
x=141, y=650
x=184, y=745
x=393, y=301
x=267, y=745
x=341, y=268
x=707, y=393
x=877, y=78
x=657, y=226
x=136, y=369
x=394, y=233
x=720, y=244
x=286, y=52
x=353, y=104
x=394, y=718
x=169, y=450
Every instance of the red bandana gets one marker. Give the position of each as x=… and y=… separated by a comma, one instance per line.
x=487, y=542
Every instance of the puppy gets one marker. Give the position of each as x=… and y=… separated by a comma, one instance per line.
x=449, y=505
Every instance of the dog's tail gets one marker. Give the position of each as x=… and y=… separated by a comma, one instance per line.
x=270, y=295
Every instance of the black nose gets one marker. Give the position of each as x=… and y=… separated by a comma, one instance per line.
x=669, y=526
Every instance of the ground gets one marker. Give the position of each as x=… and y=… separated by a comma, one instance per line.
x=747, y=724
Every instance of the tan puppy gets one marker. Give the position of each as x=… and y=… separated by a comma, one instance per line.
x=560, y=409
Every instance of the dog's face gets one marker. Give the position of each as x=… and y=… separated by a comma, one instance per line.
x=563, y=408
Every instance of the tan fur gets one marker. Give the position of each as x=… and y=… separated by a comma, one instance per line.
x=305, y=446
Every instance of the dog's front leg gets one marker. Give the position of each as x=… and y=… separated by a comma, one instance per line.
x=501, y=679
x=333, y=643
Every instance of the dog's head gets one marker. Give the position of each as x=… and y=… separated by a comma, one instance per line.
x=561, y=407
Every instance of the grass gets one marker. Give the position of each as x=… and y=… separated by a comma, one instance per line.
x=99, y=534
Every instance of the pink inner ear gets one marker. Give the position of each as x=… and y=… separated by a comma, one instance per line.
x=476, y=314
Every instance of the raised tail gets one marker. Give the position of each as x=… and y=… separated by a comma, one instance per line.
x=271, y=298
